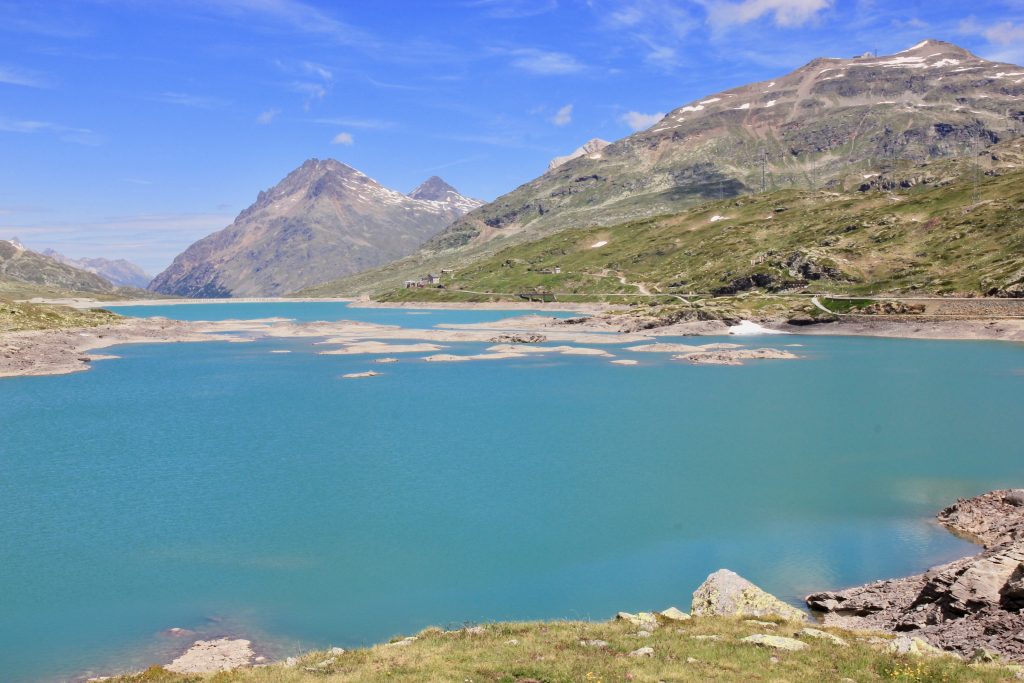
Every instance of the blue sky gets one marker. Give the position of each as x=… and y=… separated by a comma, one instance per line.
x=130, y=128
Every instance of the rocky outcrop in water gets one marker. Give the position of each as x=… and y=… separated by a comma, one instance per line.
x=968, y=606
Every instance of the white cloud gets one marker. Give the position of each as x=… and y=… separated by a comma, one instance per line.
x=188, y=100
x=368, y=124
x=1005, y=38
x=640, y=121
x=318, y=70
x=151, y=240
x=1006, y=33
x=268, y=116
x=15, y=76
x=312, y=91
x=661, y=55
x=544, y=63
x=563, y=116
x=515, y=9
x=656, y=27
x=81, y=136
x=784, y=13
x=343, y=139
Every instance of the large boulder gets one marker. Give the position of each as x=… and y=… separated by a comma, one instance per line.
x=726, y=593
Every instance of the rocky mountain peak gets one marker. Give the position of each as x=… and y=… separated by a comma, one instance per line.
x=591, y=148
x=433, y=189
x=931, y=45
x=325, y=219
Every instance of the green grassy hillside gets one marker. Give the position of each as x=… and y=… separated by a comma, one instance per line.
x=942, y=234
x=20, y=316
x=702, y=649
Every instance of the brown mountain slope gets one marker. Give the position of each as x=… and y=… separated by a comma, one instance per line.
x=827, y=120
x=323, y=221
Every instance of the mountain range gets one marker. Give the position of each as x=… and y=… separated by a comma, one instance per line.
x=823, y=125
x=325, y=220
x=24, y=272
x=117, y=271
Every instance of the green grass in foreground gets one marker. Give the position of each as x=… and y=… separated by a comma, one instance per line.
x=20, y=316
x=552, y=653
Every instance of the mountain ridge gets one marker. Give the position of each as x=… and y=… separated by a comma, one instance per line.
x=120, y=272
x=809, y=128
x=22, y=268
x=323, y=220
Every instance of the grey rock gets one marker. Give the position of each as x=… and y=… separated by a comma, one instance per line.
x=726, y=593
x=674, y=614
x=907, y=645
x=823, y=635
x=775, y=642
x=642, y=652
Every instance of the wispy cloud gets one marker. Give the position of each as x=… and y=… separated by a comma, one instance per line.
x=15, y=76
x=138, y=181
x=493, y=140
x=366, y=124
x=52, y=20
x=784, y=13
x=343, y=139
x=1005, y=38
x=311, y=91
x=310, y=79
x=81, y=136
x=656, y=28
x=296, y=15
x=563, y=116
x=514, y=9
x=319, y=70
x=303, y=17
x=190, y=100
x=640, y=121
x=149, y=239
x=543, y=62
x=456, y=162
x=267, y=116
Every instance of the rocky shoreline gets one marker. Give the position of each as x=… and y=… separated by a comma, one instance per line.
x=726, y=610
x=971, y=607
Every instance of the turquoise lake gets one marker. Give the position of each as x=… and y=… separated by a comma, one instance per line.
x=220, y=488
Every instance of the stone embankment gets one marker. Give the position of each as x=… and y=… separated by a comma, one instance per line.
x=971, y=607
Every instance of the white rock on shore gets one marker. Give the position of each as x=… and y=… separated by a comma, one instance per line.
x=209, y=656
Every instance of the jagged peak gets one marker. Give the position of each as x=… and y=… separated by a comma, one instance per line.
x=591, y=147
x=434, y=188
